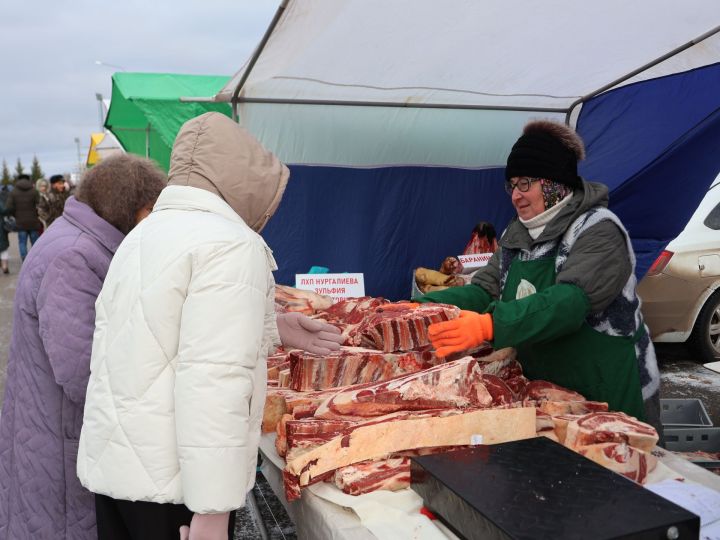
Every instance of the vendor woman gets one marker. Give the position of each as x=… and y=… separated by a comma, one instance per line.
x=561, y=286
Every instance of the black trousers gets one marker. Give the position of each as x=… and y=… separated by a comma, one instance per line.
x=127, y=520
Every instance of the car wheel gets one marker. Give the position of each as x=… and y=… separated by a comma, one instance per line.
x=705, y=337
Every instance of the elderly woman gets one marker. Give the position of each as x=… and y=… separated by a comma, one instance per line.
x=561, y=287
x=49, y=362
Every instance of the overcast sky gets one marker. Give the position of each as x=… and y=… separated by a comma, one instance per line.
x=50, y=78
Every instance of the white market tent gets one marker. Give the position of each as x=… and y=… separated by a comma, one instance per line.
x=397, y=116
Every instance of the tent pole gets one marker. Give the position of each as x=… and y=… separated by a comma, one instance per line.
x=399, y=105
x=255, y=56
x=645, y=67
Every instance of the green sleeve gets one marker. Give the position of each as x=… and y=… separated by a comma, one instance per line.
x=554, y=312
x=470, y=297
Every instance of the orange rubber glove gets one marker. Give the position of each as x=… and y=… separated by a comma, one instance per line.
x=466, y=332
x=399, y=306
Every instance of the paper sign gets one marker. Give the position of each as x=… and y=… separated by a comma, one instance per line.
x=473, y=262
x=337, y=286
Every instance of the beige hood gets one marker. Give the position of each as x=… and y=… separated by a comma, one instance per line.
x=214, y=153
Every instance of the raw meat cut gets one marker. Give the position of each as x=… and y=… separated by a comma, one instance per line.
x=502, y=363
x=500, y=392
x=383, y=436
x=607, y=427
x=544, y=390
x=352, y=310
x=517, y=384
x=456, y=384
x=391, y=474
x=554, y=408
x=561, y=422
x=544, y=426
x=391, y=328
x=352, y=365
x=622, y=459
x=307, y=302
x=275, y=408
x=306, y=434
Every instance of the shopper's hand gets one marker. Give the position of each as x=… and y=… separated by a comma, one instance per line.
x=298, y=331
x=206, y=527
x=466, y=332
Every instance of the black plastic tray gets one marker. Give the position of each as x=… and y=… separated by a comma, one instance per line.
x=537, y=489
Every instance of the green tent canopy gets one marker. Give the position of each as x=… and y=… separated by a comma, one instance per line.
x=146, y=112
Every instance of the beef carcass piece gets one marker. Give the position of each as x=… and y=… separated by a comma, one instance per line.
x=276, y=363
x=351, y=365
x=544, y=390
x=561, y=422
x=501, y=363
x=307, y=302
x=275, y=408
x=518, y=385
x=391, y=474
x=386, y=435
x=456, y=384
x=500, y=392
x=606, y=427
x=352, y=310
x=554, y=408
x=545, y=426
x=308, y=433
x=622, y=459
x=391, y=328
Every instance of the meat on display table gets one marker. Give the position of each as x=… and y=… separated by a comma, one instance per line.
x=395, y=515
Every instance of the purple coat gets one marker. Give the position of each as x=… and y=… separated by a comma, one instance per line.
x=48, y=369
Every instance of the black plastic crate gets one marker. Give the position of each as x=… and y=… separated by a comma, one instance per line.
x=680, y=413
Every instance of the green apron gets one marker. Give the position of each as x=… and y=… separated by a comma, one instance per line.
x=599, y=366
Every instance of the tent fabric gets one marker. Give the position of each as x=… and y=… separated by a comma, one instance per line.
x=494, y=52
x=146, y=112
x=93, y=157
x=385, y=189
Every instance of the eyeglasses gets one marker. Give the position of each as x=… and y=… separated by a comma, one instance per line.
x=523, y=184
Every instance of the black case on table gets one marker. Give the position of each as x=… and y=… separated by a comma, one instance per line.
x=538, y=489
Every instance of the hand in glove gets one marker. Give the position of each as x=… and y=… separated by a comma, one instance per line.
x=399, y=306
x=297, y=331
x=206, y=527
x=466, y=332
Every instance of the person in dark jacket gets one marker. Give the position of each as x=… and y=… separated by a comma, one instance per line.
x=4, y=236
x=561, y=286
x=50, y=207
x=22, y=203
x=49, y=361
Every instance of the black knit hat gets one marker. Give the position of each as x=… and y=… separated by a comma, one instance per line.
x=546, y=150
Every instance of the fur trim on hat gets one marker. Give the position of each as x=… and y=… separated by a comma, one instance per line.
x=564, y=133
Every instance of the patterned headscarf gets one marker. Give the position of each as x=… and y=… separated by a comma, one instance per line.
x=553, y=192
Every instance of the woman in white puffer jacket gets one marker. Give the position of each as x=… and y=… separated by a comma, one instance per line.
x=184, y=324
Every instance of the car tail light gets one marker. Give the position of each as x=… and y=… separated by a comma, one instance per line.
x=660, y=263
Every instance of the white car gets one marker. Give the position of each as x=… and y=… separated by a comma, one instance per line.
x=681, y=291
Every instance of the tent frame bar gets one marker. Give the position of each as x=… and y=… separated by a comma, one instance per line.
x=400, y=105
x=639, y=70
x=255, y=56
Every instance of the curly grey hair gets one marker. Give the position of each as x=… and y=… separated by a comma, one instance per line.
x=119, y=187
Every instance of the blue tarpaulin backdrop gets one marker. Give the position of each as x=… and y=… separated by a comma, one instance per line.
x=655, y=144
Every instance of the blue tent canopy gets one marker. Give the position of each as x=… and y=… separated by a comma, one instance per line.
x=396, y=120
